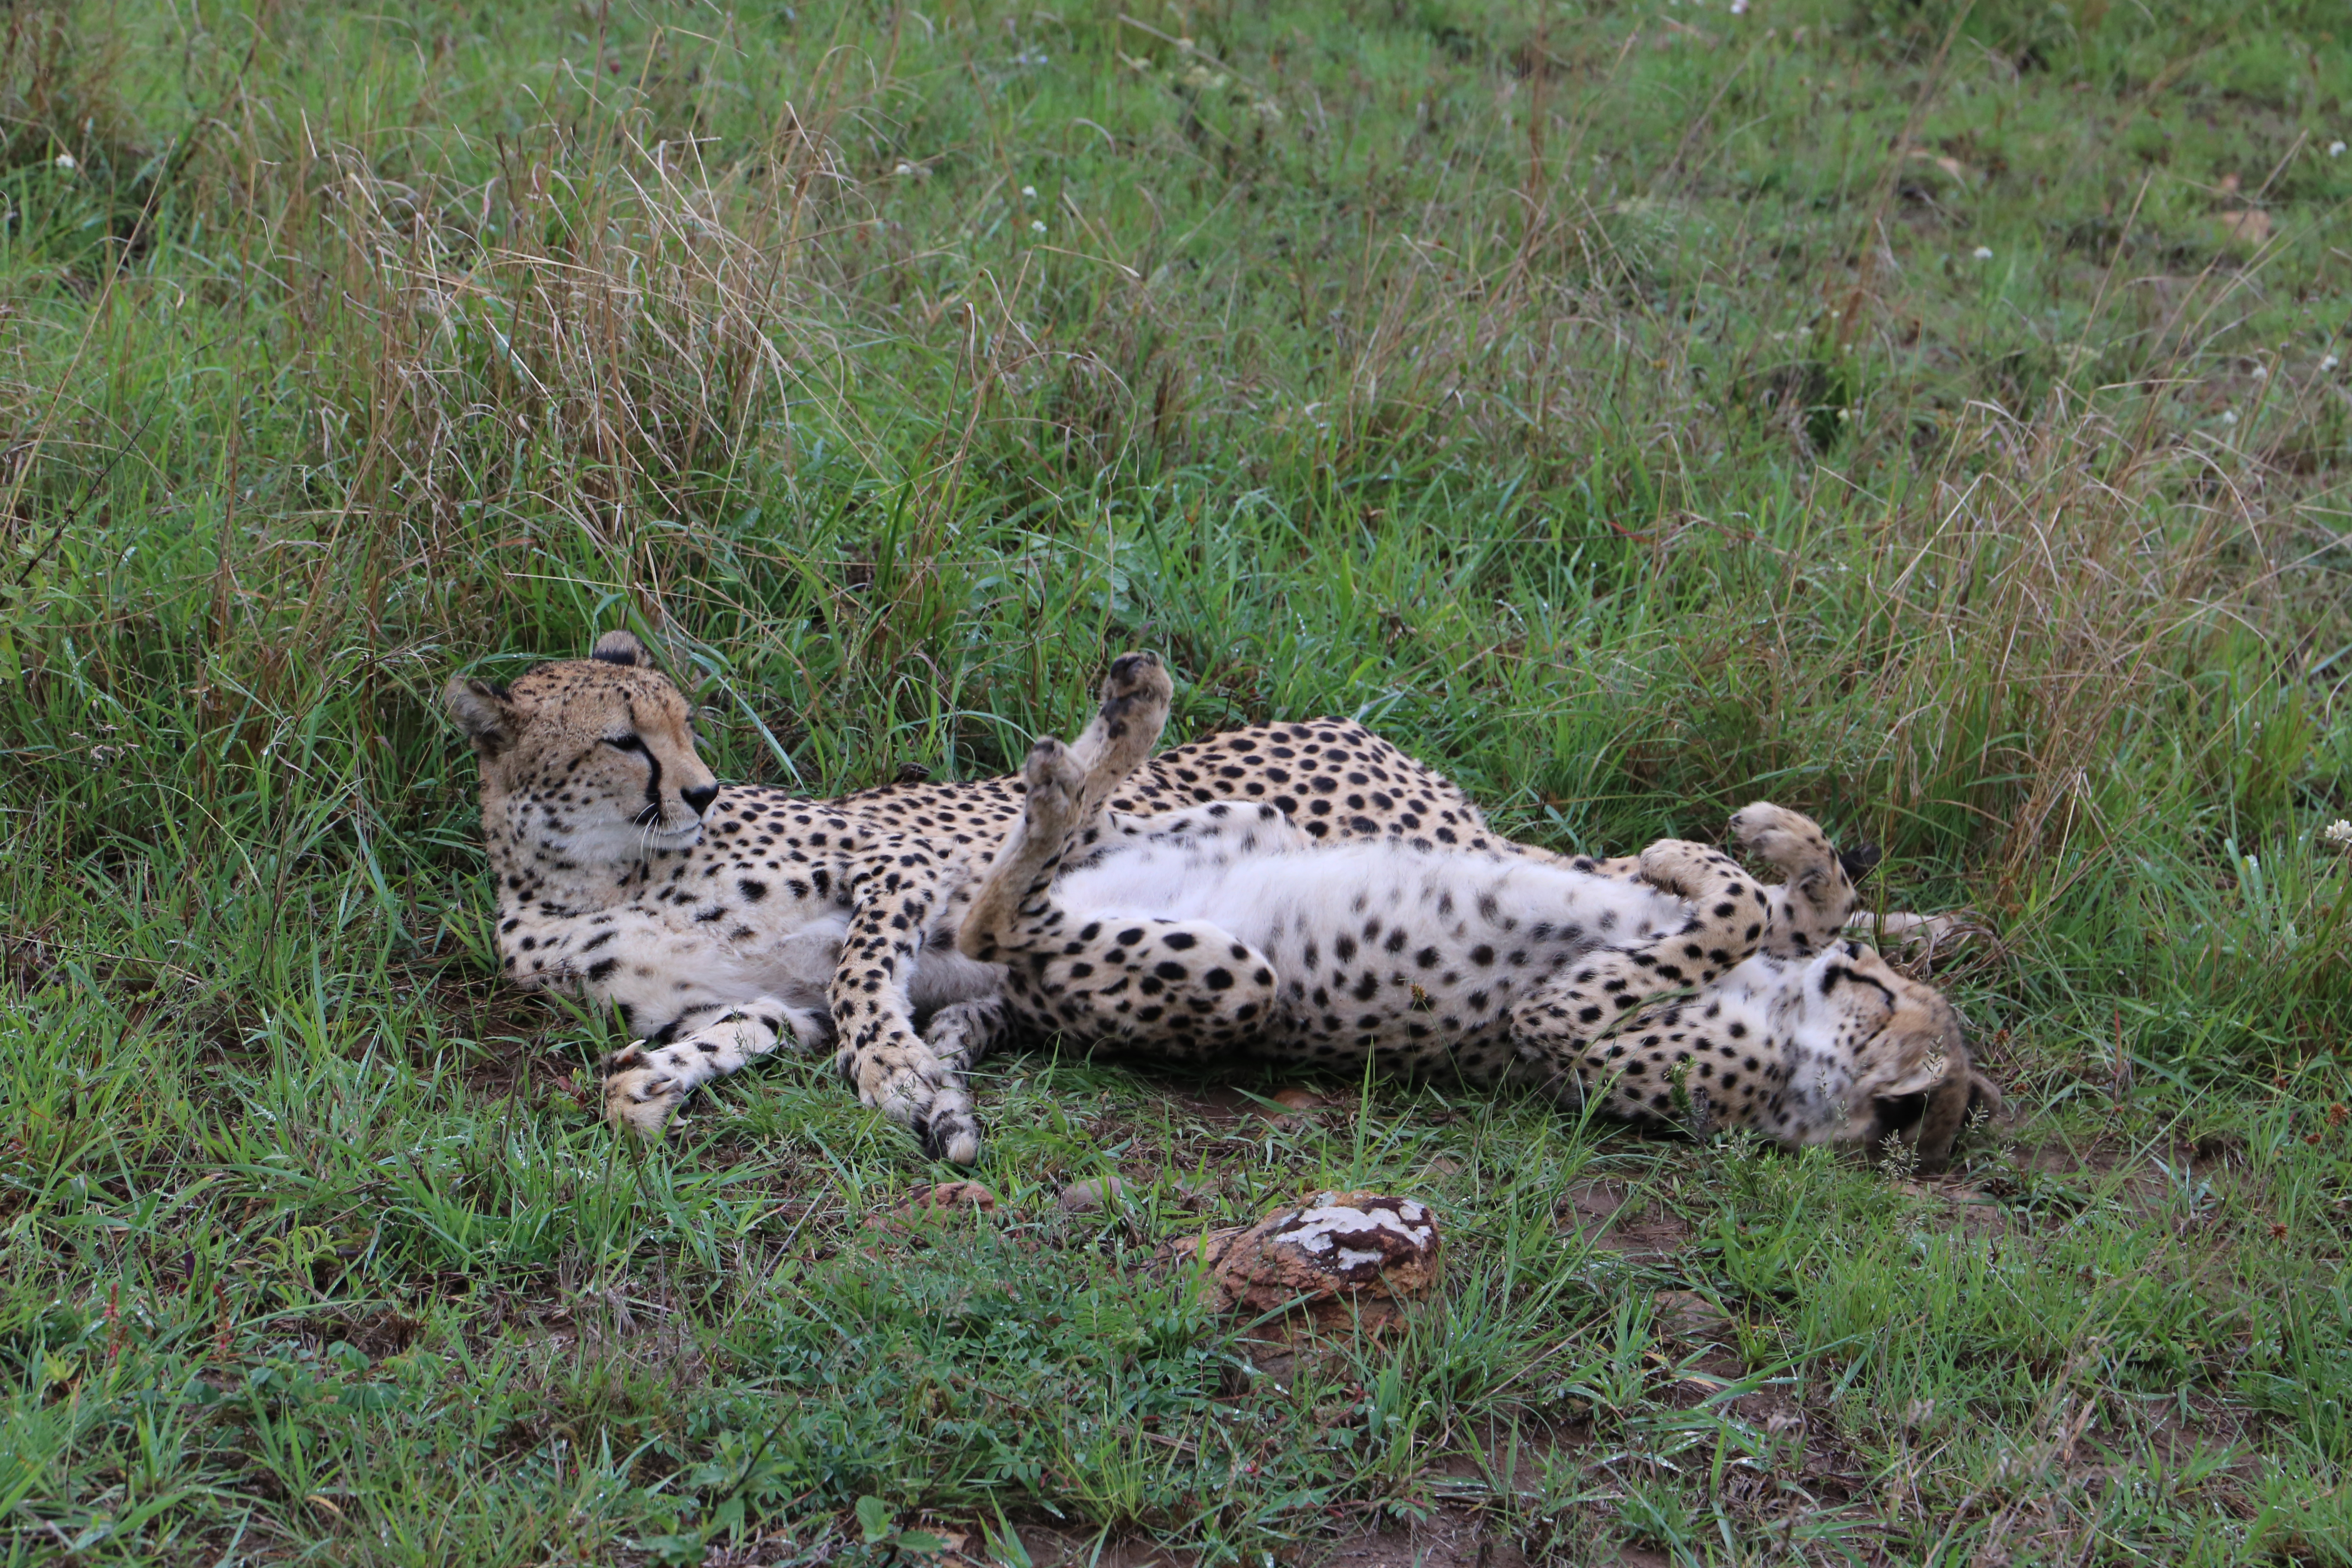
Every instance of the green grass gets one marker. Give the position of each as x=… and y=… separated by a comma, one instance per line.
x=1927, y=415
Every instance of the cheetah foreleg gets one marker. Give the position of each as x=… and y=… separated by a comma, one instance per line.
x=1553, y=1029
x=1815, y=897
x=645, y=1082
x=895, y=1069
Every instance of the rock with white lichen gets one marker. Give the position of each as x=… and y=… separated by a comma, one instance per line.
x=1336, y=1250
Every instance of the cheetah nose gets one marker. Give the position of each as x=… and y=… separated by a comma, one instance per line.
x=700, y=798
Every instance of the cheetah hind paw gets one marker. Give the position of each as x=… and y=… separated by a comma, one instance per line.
x=1053, y=779
x=1134, y=698
x=949, y=1134
x=1682, y=868
x=639, y=1097
x=1137, y=681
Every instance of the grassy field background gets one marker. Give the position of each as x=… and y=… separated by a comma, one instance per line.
x=1932, y=415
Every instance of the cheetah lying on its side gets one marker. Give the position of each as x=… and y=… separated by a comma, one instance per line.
x=1223, y=929
x=724, y=921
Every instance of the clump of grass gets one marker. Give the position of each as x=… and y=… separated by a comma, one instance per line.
x=1931, y=415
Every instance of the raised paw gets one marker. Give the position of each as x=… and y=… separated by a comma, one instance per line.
x=1788, y=841
x=639, y=1096
x=1138, y=681
x=1135, y=697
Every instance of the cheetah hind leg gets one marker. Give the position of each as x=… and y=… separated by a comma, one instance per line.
x=1135, y=697
x=1178, y=989
x=1065, y=788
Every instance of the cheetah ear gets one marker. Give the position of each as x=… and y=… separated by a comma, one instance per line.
x=618, y=648
x=1858, y=861
x=484, y=711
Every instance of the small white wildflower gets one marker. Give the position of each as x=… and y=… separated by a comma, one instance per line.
x=1036, y=226
x=65, y=162
x=2229, y=416
x=2338, y=832
x=2330, y=362
x=903, y=170
x=2335, y=148
x=1984, y=253
x=2262, y=373
x=1030, y=192
x=1739, y=7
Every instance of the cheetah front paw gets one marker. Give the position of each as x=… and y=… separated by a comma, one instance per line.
x=949, y=1133
x=1685, y=869
x=639, y=1097
x=1788, y=841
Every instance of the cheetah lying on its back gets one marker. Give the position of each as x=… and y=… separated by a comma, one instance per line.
x=1224, y=928
x=725, y=920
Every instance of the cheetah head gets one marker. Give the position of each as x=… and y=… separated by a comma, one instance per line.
x=586, y=762
x=1913, y=1078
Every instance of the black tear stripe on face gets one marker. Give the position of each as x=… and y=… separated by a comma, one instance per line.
x=1837, y=972
x=651, y=814
x=1900, y=1114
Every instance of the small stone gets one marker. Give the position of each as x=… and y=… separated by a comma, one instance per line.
x=1336, y=1249
x=1687, y=1315
x=1092, y=1196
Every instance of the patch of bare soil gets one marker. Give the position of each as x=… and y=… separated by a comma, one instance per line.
x=1618, y=1217
x=1051, y=1548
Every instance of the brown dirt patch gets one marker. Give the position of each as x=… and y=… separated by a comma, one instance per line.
x=1619, y=1217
